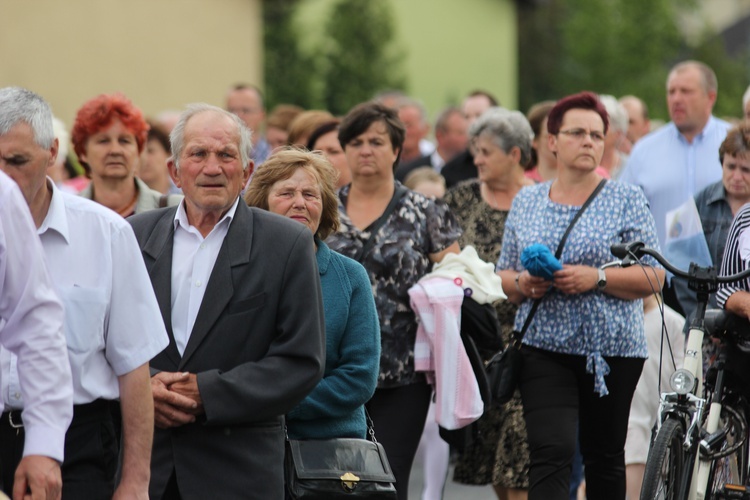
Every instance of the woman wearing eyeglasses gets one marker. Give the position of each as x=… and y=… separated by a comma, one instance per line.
x=585, y=347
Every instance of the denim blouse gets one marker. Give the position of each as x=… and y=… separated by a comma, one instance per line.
x=593, y=324
x=716, y=219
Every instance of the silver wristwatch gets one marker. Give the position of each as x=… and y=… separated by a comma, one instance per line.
x=601, y=284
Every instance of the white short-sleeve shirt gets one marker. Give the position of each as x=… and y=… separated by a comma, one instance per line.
x=112, y=319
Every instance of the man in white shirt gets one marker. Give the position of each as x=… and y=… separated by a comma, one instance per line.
x=31, y=319
x=112, y=322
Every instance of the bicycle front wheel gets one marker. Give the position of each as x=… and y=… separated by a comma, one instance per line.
x=665, y=462
x=729, y=460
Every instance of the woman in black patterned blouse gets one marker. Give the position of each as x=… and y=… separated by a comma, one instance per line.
x=417, y=233
x=502, y=145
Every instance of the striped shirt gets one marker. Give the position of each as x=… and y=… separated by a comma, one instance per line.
x=736, y=255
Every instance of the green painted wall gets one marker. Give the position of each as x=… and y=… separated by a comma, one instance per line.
x=452, y=46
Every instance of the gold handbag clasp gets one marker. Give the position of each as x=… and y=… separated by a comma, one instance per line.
x=349, y=481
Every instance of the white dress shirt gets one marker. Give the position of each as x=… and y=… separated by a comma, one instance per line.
x=31, y=319
x=193, y=259
x=112, y=320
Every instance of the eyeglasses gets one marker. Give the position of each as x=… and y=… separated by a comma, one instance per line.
x=579, y=134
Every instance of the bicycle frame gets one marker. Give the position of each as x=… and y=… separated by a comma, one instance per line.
x=690, y=407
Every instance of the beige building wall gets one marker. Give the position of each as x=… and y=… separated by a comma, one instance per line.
x=162, y=54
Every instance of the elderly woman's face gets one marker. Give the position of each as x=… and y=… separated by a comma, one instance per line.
x=299, y=198
x=112, y=153
x=736, y=176
x=371, y=153
x=491, y=161
x=580, y=142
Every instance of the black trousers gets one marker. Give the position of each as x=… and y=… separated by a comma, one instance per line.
x=398, y=417
x=557, y=394
x=91, y=453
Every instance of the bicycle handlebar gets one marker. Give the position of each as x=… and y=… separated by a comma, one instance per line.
x=629, y=253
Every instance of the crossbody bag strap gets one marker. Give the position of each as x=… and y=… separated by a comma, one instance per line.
x=373, y=228
x=558, y=253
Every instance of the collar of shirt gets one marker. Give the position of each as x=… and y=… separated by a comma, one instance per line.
x=716, y=193
x=437, y=161
x=56, y=219
x=710, y=124
x=181, y=220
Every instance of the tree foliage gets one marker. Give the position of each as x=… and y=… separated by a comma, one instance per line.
x=360, y=54
x=614, y=47
x=287, y=68
x=357, y=57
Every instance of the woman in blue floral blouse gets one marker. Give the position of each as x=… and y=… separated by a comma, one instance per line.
x=585, y=348
x=396, y=254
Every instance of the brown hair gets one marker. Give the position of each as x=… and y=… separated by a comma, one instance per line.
x=737, y=142
x=280, y=166
x=283, y=115
x=305, y=124
x=362, y=116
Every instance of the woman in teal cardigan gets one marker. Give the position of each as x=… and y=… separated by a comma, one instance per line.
x=300, y=185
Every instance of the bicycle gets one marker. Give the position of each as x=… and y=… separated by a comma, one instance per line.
x=699, y=454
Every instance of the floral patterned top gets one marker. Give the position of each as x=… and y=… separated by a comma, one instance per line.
x=592, y=324
x=399, y=258
x=483, y=228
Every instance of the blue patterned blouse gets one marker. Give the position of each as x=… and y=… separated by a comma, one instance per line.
x=592, y=324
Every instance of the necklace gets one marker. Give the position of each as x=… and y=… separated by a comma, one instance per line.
x=130, y=207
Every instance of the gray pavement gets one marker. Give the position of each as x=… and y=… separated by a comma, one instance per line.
x=452, y=491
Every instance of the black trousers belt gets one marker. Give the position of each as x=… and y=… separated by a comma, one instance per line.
x=81, y=413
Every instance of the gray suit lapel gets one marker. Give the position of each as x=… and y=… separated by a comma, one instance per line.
x=235, y=251
x=159, y=247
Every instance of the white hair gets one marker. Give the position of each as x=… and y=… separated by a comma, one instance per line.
x=507, y=129
x=177, y=136
x=618, y=115
x=19, y=105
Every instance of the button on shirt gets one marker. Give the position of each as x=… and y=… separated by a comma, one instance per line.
x=193, y=259
x=670, y=170
x=31, y=318
x=112, y=320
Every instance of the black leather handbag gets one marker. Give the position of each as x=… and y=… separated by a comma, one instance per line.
x=504, y=369
x=332, y=469
x=329, y=469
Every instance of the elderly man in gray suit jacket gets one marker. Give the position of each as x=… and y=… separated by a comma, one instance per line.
x=240, y=295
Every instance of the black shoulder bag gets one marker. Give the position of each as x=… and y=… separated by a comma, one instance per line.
x=340, y=468
x=504, y=369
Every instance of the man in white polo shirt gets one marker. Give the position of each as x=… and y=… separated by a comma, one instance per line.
x=113, y=326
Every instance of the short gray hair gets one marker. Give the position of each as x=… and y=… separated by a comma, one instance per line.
x=20, y=105
x=177, y=136
x=507, y=129
x=408, y=102
x=618, y=115
x=710, y=83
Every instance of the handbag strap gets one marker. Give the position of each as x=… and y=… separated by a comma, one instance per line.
x=519, y=335
x=373, y=228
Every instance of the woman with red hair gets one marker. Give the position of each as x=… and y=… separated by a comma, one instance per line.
x=108, y=136
x=583, y=351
